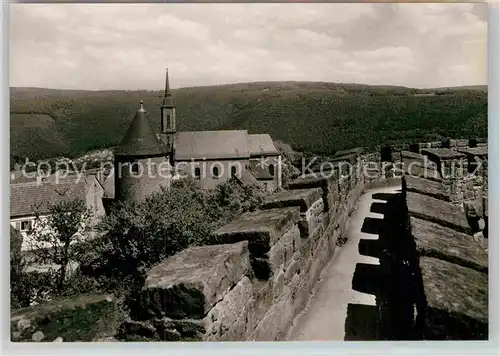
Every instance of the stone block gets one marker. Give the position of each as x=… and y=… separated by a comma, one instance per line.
x=188, y=329
x=226, y=321
x=442, y=154
x=278, y=284
x=87, y=317
x=275, y=322
x=416, y=169
x=356, y=151
x=415, y=147
x=328, y=185
x=433, y=240
x=481, y=224
x=188, y=284
x=294, y=268
x=303, y=198
x=132, y=330
x=412, y=156
x=462, y=142
x=438, y=211
x=449, y=143
x=278, y=256
x=432, y=188
x=473, y=209
x=481, y=152
x=481, y=240
x=261, y=228
x=456, y=301
x=311, y=219
x=259, y=304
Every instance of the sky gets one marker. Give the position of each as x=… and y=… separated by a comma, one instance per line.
x=128, y=46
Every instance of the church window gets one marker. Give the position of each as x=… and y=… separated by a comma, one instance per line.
x=197, y=173
x=168, y=122
x=134, y=167
x=233, y=171
x=271, y=170
x=215, y=172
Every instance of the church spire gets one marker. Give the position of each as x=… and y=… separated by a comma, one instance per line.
x=168, y=130
x=167, y=99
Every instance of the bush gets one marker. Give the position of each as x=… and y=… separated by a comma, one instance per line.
x=139, y=236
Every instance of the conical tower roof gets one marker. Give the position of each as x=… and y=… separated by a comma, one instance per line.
x=140, y=138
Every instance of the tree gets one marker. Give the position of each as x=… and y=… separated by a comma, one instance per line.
x=140, y=235
x=229, y=200
x=25, y=287
x=19, y=296
x=53, y=238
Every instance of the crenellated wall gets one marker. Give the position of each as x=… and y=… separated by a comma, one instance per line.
x=259, y=272
x=461, y=165
x=450, y=267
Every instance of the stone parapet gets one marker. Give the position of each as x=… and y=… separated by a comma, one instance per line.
x=259, y=272
x=451, y=279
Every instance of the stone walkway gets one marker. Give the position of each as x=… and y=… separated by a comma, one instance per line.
x=336, y=310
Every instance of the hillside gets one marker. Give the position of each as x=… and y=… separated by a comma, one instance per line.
x=315, y=117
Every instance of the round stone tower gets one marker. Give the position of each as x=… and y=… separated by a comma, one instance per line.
x=141, y=165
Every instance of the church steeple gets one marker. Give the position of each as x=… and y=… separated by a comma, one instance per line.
x=168, y=117
x=167, y=99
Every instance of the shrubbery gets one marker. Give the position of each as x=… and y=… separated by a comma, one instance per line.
x=138, y=236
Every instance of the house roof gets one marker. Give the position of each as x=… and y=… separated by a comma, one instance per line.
x=140, y=138
x=261, y=144
x=28, y=197
x=211, y=145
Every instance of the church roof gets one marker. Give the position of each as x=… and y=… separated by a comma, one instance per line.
x=140, y=138
x=225, y=144
x=261, y=144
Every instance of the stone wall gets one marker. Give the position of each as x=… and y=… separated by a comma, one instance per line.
x=259, y=272
x=462, y=165
x=451, y=267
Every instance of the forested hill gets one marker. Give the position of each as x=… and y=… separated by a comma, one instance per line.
x=311, y=116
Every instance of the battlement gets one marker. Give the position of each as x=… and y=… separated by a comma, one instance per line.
x=260, y=270
x=452, y=264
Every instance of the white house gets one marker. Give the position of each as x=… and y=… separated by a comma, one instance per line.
x=30, y=196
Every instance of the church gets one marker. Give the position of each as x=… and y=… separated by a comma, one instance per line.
x=210, y=157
